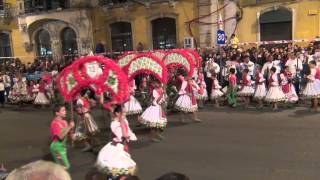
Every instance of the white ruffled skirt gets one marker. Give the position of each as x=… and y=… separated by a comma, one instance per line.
x=275, y=94
x=114, y=160
x=203, y=96
x=260, y=92
x=312, y=90
x=291, y=96
x=246, y=91
x=184, y=104
x=132, y=106
x=153, y=117
x=41, y=99
x=216, y=93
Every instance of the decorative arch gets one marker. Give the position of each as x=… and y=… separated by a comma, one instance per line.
x=97, y=73
x=125, y=59
x=159, y=54
x=179, y=58
x=195, y=57
x=147, y=64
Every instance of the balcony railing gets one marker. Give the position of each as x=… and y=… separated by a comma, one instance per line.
x=34, y=6
x=121, y=2
x=257, y=2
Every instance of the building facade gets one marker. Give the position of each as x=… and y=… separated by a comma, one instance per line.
x=55, y=28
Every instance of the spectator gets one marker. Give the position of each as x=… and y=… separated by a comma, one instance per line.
x=100, y=47
x=173, y=176
x=234, y=41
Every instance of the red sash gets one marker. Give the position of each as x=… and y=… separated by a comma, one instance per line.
x=190, y=91
x=125, y=133
x=161, y=94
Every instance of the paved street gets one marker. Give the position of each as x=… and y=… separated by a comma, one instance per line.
x=229, y=144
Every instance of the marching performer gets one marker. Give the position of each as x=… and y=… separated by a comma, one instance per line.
x=154, y=116
x=274, y=94
x=246, y=90
x=19, y=91
x=132, y=106
x=202, y=93
x=86, y=123
x=41, y=98
x=114, y=158
x=287, y=86
x=260, y=91
x=231, y=93
x=187, y=101
x=311, y=90
x=215, y=92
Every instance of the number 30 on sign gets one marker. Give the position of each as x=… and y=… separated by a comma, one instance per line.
x=221, y=37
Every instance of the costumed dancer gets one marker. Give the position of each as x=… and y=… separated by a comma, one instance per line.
x=260, y=90
x=171, y=89
x=86, y=126
x=19, y=91
x=274, y=94
x=312, y=91
x=231, y=93
x=41, y=98
x=246, y=90
x=215, y=92
x=132, y=106
x=202, y=94
x=35, y=90
x=2, y=92
x=154, y=116
x=187, y=101
x=114, y=158
x=144, y=92
x=287, y=86
x=59, y=130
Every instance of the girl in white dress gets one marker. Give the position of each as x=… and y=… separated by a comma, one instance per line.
x=187, y=101
x=275, y=93
x=311, y=90
x=132, y=106
x=154, y=116
x=260, y=91
x=287, y=86
x=114, y=158
x=246, y=90
x=215, y=92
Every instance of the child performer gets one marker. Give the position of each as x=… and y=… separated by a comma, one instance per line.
x=287, y=86
x=311, y=90
x=114, y=158
x=90, y=126
x=232, y=88
x=246, y=90
x=274, y=94
x=202, y=93
x=154, y=116
x=59, y=130
x=260, y=91
x=187, y=101
x=215, y=92
x=41, y=98
x=132, y=106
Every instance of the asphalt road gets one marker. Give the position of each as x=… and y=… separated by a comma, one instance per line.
x=229, y=144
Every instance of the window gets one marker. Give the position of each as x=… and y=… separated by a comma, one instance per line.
x=1, y=5
x=5, y=45
x=276, y=25
x=164, y=33
x=69, y=41
x=43, y=43
x=121, y=36
x=43, y=5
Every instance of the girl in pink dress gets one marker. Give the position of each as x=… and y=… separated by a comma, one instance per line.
x=132, y=106
x=311, y=90
x=202, y=94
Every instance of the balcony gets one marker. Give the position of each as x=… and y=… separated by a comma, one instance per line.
x=6, y=12
x=258, y=2
x=119, y=3
x=37, y=6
